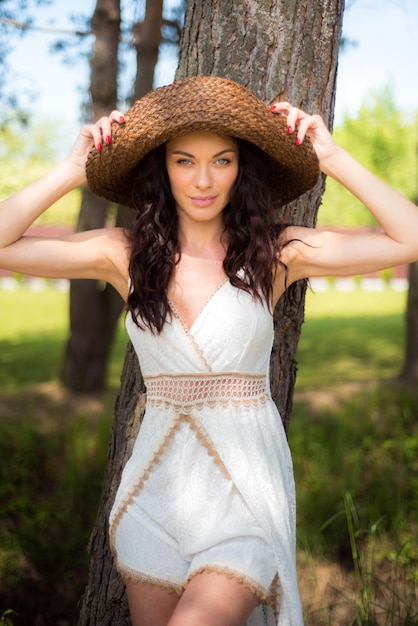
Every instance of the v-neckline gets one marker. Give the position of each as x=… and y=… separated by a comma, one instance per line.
x=177, y=314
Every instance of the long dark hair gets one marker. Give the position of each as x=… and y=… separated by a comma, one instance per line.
x=253, y=251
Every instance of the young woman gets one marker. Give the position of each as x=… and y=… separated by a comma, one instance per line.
x=203, y=524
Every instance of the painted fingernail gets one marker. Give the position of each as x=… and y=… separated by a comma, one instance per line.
x=107, y=139
x=290, y=129
x=121, y=119
x=298, y=141
x=99, y=147
x=273, y=107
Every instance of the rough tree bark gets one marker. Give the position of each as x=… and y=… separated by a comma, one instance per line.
x=281, y=48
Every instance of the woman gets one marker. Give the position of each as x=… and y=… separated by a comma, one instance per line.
x=203, y=524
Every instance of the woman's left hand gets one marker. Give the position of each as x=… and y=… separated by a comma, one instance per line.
x=303, y=124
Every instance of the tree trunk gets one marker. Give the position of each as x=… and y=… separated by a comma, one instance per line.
x=147, y=39
x=280, y=48
x=288, y=50
x=94, y=309
x=410, y=369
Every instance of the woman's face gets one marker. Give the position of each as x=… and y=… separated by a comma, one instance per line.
x=202, y=168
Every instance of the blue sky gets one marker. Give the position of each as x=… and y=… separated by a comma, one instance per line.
x=386, y=32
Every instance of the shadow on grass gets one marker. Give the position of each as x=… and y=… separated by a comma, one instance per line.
x=342, y=349
x=367, y=445
x=53, y=451
x=38, y=359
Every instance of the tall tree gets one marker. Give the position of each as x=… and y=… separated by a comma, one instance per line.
x=279, y=49
x=147, y=39
x=94, y=309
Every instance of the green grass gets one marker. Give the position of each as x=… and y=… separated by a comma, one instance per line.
x=33, y=332
x=350, y=337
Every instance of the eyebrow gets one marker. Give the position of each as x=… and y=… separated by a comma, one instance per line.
x=218, y=154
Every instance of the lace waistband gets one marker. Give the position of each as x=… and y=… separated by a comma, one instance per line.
x=191, y=390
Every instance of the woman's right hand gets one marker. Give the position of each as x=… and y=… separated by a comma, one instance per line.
x=90, y=135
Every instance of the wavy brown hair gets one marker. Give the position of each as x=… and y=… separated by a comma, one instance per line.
x=253, y=251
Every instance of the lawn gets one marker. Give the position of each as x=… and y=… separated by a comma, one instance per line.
x=33, y=332
x=350, y=337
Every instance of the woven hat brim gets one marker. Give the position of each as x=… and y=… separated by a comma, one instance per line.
x=201, y=104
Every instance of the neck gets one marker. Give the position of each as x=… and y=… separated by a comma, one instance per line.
x=201, y=236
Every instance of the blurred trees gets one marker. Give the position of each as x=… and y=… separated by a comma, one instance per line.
x=384, y=140
x=10, y=105
x=95, y=308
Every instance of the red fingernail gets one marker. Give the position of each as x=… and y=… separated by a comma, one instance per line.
x=289, y=129
x=273, y=107
x=107, y=139
x=99, y=147
x=121, y=119
x=298, y=141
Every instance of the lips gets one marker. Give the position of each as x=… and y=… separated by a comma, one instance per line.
x=203, y=201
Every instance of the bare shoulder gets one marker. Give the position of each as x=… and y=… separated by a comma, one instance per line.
x=117, y=249
x=110, y=250
x=113, y=235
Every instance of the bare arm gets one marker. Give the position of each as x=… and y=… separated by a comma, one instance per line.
x=329, y=253
x=95, y=254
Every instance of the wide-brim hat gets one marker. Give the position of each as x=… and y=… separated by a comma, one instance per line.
x=201, y=104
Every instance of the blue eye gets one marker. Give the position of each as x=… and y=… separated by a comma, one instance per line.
x=223, y=161
x=184, y=161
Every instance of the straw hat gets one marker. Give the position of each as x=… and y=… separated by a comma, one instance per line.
x=201, y=103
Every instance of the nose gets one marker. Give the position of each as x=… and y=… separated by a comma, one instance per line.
x=203, y=178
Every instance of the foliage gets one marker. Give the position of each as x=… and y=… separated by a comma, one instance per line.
x=384, y=141
x=367, y=445
x=368, y=608
x=26, y=153
x=6, y=617
x=35, y=144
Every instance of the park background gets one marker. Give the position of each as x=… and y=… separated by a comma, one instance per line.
x=354, y=424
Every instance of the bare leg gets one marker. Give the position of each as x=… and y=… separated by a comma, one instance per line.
x=212, y=599
x=150, y=605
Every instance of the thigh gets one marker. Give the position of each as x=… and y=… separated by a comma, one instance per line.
x=213, y=599
x=150, y=605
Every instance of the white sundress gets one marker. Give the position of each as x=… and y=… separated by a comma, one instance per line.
x=208, y=389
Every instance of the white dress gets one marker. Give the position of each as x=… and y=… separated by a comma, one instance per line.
x=208, y=394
